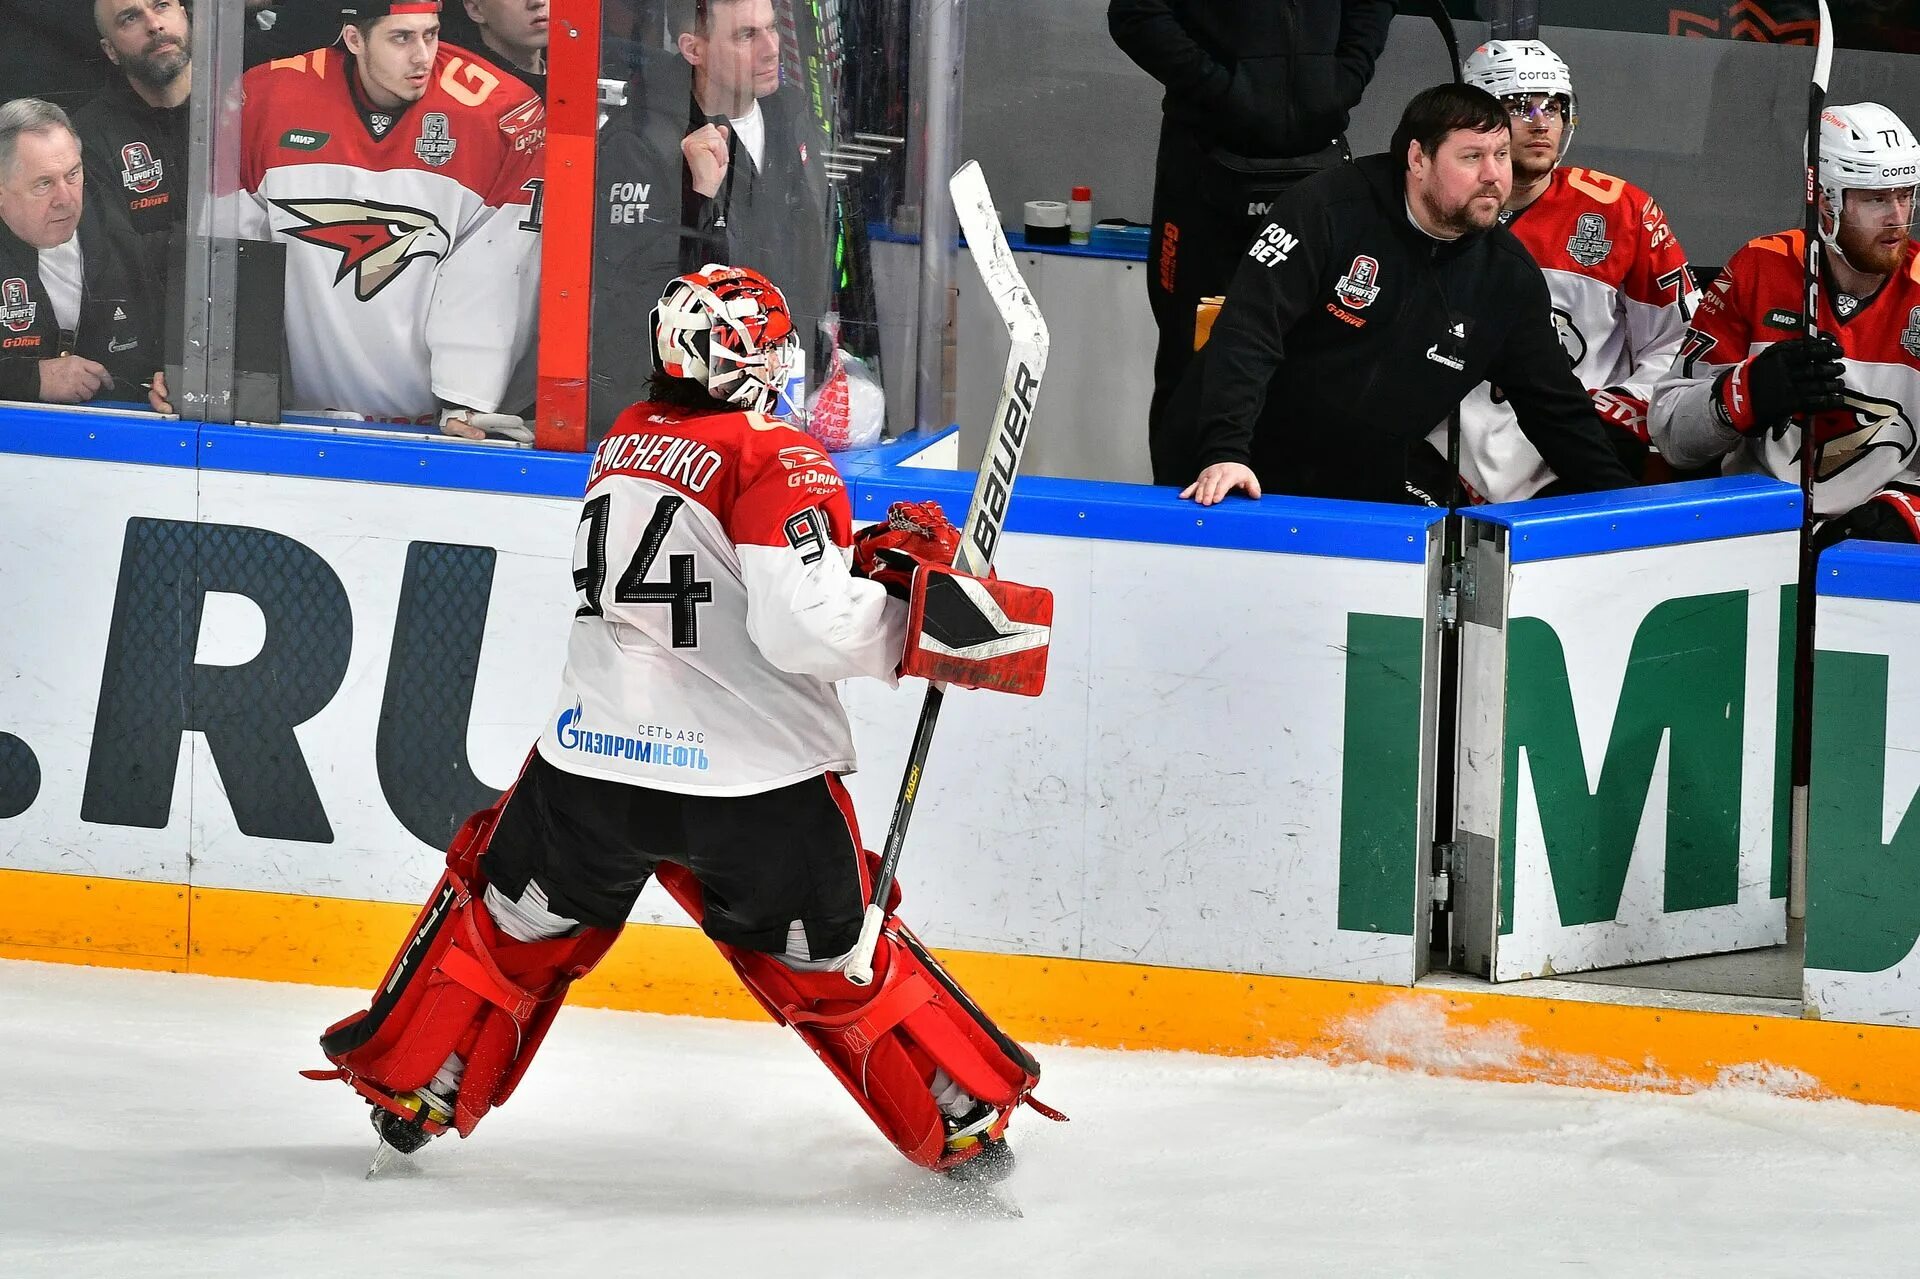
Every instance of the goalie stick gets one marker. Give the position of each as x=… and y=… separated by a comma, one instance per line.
x=1809, y=562
x=992, y=494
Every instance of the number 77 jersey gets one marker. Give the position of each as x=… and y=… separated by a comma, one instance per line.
x=714, y=608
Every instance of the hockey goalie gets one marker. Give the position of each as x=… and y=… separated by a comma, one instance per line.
x=698, y=739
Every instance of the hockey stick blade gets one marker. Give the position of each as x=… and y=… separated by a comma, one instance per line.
x=1026, y=364
x=992, y=494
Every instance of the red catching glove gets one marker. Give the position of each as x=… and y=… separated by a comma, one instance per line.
x=914, y=533
x=1627, y=412
x=978, y=633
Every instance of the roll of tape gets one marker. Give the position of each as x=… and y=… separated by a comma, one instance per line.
x=1046, y=222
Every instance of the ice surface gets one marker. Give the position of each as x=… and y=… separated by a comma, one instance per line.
x=153, y=1125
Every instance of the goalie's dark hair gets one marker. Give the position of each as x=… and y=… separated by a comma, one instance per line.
x=680, y=392
x=1436, y=112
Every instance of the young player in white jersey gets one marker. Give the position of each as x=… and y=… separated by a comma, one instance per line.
x=698, y=738
x=1621, y=288
x=404, y=176
x=1747, y=369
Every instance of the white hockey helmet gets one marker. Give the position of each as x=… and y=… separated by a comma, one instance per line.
x=1863, y=147
x=1510, y=68
x=727, y=328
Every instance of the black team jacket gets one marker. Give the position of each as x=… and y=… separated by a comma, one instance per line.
x=653, y=226
x=137, y=155
x=1260, y=78
x=119, y=318
x=1349, y=333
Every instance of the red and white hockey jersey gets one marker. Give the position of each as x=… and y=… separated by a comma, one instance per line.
x=715, y=608
x=1757, y=302
x=1621, y=293
x=412, y=256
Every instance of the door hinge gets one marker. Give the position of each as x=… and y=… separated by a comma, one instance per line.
x=1446, y=862
x=1457, y=587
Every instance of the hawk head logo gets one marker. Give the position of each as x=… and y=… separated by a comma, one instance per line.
x=1852, y=434
x=1571, y=339
x=375, y=241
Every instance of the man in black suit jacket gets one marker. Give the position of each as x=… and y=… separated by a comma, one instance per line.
x=712, y=160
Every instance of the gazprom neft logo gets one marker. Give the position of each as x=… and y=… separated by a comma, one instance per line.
x=659, y=754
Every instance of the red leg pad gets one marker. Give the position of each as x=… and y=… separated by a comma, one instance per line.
x=459, y=985
x=884, y=1041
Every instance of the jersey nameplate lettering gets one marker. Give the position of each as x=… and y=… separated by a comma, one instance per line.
x=685, y=462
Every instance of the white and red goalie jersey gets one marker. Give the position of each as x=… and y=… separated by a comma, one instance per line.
x=715, y=608
x=413, y=252
x=1756, y=302
x=1622, y=294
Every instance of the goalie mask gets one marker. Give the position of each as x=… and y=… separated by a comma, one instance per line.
x=1520, y=69
x=728, y=329
x=1863, y=147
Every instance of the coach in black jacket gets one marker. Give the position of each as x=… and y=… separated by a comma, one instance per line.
x=1258, y=95
x=681, y=185
x=1379, y=295
x=135, y=130
x=77, y=319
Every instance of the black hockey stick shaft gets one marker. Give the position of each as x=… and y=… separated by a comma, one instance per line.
x=1444, y=20
x=1809, y=444
x=986, y=515
x=1803, y=621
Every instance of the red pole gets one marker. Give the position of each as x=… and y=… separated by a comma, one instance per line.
x=566, y=237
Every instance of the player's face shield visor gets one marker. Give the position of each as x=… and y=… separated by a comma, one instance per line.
x=1532, y=107
x=1889, y=209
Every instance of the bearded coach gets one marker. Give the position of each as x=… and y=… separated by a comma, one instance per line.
x=1380, y=294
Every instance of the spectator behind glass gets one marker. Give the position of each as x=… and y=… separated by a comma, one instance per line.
x=76, y=314
x=402, y=177
x=1258, y=96
x=49, y=50
x=712, y=161
x=511, y=34
x=133, y=134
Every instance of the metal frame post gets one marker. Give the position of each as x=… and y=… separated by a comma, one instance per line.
x=942, y=28
x=211, y=270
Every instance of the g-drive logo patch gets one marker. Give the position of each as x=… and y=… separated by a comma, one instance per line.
x=658, y=753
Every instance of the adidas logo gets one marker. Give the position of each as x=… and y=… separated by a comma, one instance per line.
x=119, y=313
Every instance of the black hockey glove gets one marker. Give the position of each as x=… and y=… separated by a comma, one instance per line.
x=1891, y=515
x=1800, y=375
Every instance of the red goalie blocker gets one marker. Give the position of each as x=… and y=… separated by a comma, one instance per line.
x=884, y=1041
x=978, y=632
x=459, y=986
